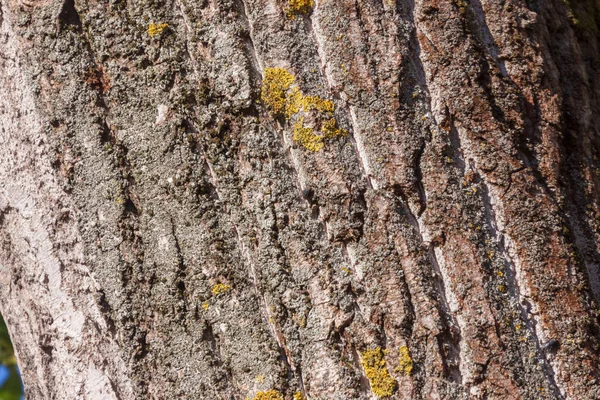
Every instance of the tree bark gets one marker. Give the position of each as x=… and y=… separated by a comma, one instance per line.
x=167, y=232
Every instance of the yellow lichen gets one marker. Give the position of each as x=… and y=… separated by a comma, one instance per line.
x=296, y=7
x=156, y=29
x=269, y=395
x=294, y=103
x=306, y=136
x=297, y=102
x=331, y=130
x=276, y=83
x=299, y=396
x=283, y=98
x=205, y=305
x=317, y=103
x=302, y=322
x=220, y=288
x=382, y=384
x=405, y=362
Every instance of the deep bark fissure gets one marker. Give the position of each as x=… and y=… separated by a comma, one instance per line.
x=452, y=335
x=514, y=288
x=181, y=273
x=357, y=142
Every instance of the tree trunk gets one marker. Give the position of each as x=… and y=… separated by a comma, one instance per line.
x=263, y=199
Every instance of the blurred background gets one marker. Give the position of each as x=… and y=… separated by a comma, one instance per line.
x=11, y=387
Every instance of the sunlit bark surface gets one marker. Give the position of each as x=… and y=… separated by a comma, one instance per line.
x=419, y=221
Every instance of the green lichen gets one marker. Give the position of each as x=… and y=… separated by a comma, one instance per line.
x=156, y=29
x=382, y=384
x=298, y=7
x=405, y=362
x=268, y=395
x=584, y=15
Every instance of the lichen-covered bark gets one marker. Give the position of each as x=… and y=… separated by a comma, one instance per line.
x=165, y=232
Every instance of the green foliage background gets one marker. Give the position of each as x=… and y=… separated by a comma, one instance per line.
x=12, y=389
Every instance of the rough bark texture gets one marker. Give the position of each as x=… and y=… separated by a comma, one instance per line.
x=163, y=236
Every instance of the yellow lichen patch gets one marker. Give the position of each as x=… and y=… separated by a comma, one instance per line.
x=331, y=130
x=301, y=322
x=382, y=384
x=405, y=362
x=283, y=98
x=317, y=103
x=299, y=396
x=156, y=29
x=306, y=136
x=297, y=102
x=296, y=7
x=220, y=288
x=276, y=83
x=294, y=103
x=269, y=395
x=205, y=305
